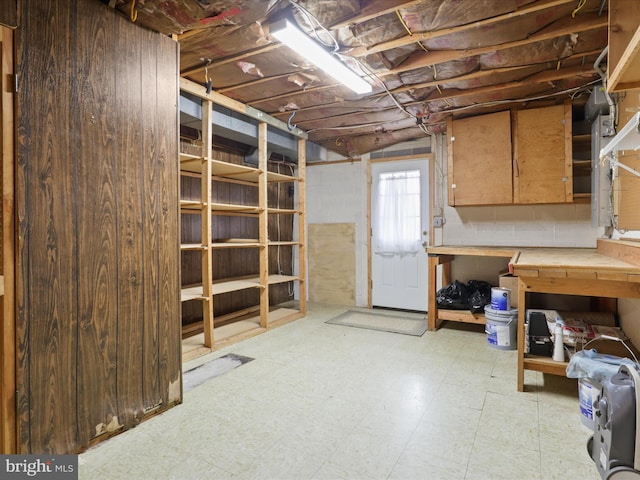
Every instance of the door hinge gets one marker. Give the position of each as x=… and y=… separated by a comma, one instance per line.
x=15, y=83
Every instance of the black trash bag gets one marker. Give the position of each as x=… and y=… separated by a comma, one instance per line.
x=454, y=296
x=479, y=295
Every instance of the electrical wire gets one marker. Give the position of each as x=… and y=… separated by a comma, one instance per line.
x=581, y=3
x=311, y=19
x=376, y=79
x=577, y=92
x=290, y=288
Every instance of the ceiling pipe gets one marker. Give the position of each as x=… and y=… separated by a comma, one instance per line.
x=603, y=76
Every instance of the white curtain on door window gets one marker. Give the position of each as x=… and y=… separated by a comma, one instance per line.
x=398, y=213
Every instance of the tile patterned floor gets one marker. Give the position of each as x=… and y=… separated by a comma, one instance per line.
x=329, y=402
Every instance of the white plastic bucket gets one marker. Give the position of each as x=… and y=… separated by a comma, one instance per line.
x=588, y=391
x=501, y=328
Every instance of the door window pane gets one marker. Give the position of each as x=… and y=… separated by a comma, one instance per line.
x=398, y=212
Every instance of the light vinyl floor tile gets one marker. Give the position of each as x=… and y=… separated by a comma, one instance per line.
x=329, y=402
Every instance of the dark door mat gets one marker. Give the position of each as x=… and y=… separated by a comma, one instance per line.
x=219, y=366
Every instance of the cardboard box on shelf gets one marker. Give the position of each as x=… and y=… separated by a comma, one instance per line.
x=616, y=332
x=506, y=280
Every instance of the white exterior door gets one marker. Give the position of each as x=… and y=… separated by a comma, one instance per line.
x=400, y=225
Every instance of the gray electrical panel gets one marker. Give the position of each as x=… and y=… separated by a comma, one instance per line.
x=602, y=130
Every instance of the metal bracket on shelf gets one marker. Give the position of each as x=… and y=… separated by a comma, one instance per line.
x=626, y=139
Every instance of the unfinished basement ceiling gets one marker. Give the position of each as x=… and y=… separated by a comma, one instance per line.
x=427, y=60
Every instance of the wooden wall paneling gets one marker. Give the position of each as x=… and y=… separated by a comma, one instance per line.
x=129, y=158
x=47, y=314
x=189, y=260
x=23, y=131
x=190, y=228
x=189, y=187
x=98, y=287
x=170, y=345
x=8, y=414
x=152, y=396
x=9, y=13
x=96, y=212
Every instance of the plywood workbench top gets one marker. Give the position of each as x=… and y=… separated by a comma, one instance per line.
x=604, y=262
x=610, y=257
x=570, y=258
x=473, y=250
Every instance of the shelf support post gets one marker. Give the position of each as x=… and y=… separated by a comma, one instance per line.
x=302, y=249
x=207, y=257
x=263, y=225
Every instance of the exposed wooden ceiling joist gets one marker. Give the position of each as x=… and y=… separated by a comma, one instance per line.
x=509, y=50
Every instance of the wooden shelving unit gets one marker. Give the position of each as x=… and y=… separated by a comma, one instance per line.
x=250, y=319
x=599, y=272
x=581, y=155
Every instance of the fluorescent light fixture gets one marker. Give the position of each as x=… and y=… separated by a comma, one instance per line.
x=301, y=43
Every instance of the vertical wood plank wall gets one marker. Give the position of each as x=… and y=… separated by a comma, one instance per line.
x=98, y=284
x=9, y=13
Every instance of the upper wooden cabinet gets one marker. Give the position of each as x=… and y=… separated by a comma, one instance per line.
x=624, y=45
x=480, y=166
x=542, y=155
x=505, y=158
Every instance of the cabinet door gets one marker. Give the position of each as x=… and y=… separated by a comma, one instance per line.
x=542, y=155
x=624, y=42
x=480, y=167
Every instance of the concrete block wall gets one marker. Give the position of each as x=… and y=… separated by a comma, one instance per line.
x=337, y=193
x=519, y=225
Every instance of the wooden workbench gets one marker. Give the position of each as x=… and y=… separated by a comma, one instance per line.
x=611, y=270
x=443, y=256
x=598, y=272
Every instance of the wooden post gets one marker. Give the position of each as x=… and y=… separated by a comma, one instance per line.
x=263, y=227
x=568, y=152
x=8, y=418
x=521, y=332
x=369, y=238
x=302, y=252
x=207, y=257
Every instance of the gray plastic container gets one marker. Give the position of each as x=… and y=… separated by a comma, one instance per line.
x=613, y=445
